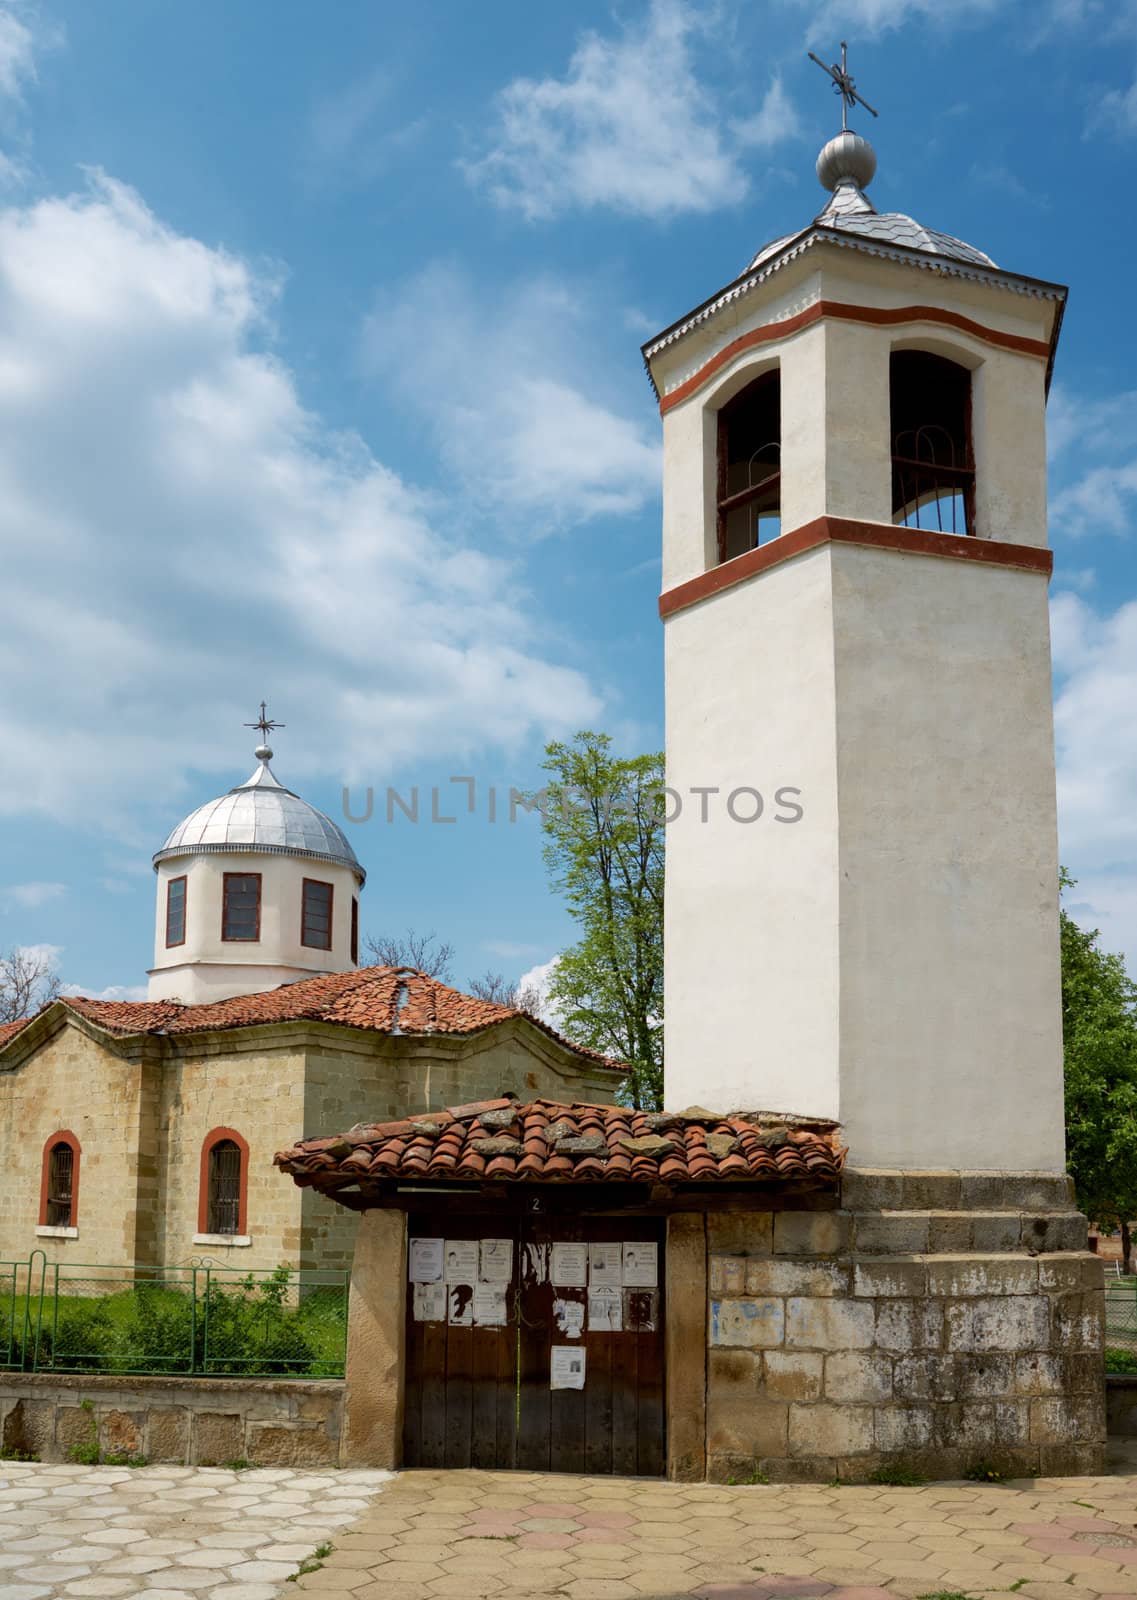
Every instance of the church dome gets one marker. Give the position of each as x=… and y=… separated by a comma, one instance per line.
x=261, y=817
x=846, y=166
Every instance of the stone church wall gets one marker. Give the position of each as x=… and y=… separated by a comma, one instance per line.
x=938, y=1321
x=71, y=1084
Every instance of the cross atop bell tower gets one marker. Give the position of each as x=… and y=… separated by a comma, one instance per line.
x=854, y=600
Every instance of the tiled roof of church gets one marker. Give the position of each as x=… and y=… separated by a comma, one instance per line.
x=392, y=1000
x=545, y=1141
x=8, y=1030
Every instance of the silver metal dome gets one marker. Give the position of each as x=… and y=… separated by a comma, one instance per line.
x=261, y=817
x=846, y=166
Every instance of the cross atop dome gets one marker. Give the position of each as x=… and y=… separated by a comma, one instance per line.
x=844, y=85
x=265, y=726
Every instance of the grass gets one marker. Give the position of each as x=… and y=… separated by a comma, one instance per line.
x=311, y=1563
x=983, y=1472
x=11, y=1453
x=899, y=1477
x=149, y=1328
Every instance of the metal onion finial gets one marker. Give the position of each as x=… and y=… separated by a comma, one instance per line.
x=265, y=726
x=844, y=85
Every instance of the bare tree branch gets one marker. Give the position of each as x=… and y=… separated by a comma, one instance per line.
x=423, y=951
x=497, y=988
x=28, y=982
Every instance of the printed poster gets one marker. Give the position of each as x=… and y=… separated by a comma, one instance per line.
x=567, y=1367
x=641, y=1310
x=496, y=1260
x=490, y=1310
x=426, y=1260
x=570, y=1266
x=606, y=1266
x=605, y=1309
x=641, y=1267
x=462, y=1261
x=535, y=1263
x=460, y=1305
x=430, y=1302
x=568, y=1314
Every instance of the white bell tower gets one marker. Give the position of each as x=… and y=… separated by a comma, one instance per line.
x=855, y=571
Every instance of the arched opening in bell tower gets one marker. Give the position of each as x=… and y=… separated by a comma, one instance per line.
x=749, y=497
x=933, y=464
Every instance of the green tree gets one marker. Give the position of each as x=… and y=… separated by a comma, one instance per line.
x=603, y=820
x=1100, y=1040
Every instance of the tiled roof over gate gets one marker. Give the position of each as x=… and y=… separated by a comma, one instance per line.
x=546, y=1142
x=393, y=1000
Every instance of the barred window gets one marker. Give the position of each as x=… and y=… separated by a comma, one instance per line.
x=224, y=1204
x=749, y=468
x=241, y=906
x=933, y=465
x=60, y=1186
x=316, y=916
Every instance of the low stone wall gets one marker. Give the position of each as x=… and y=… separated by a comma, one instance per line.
x=1121, y=1405
x=938, y=1321
x=194, y=1421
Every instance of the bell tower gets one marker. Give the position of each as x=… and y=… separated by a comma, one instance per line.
x=855, y=571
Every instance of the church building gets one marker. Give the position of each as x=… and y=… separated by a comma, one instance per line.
x=143, y=1131
x=849, y=1242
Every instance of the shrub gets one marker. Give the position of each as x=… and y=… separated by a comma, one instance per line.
x=1121, y=1360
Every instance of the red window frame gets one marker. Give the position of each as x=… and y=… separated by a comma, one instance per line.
x=61, y=1136
x=316, y=883
x=172, y=944
x=213, y=1137
x=228, y=938
x=355, y=930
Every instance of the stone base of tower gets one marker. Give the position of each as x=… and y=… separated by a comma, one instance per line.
x=943, y=1322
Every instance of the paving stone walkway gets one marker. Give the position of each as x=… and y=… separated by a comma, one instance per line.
x=505, y=1536
x=167, y=1533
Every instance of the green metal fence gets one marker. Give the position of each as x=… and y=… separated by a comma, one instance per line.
x=202, y=1321
x=1121, y=1313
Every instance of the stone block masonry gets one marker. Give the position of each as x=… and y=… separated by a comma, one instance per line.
x=191, y=1421
x=936, y=1321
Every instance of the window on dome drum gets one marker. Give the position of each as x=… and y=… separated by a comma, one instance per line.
x=241, y=906
x=175, y=912
x=749, y=467
x=354, y=931
x=224, y=1200
x=316, y=917
x=933, y=468
x=60, y=1209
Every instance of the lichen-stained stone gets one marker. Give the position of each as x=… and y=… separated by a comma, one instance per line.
x=121, y=1432
x=1038, y=1373
x=746, y=1425
x=830, y=1430
x=829, y=1324
x=167, y=1435
x=792, y=1375
x=905, y=1427
x=858, y=1375
x=1014, y=1322
x=218, y=1436
x=811, y=1233
x=299, y=1445
x=954, y=1277
x=740, y=1233
x=904, y=1325
x=890, y=1278
x=1079, y=1322
x=983, y=1377
x=891, y=1233
x=753, y=1324
x=925, y=1377
x=995, y=1231
x=949, y=1231
x=982, y=1424
x=769, y=1275
x=1067, y=1420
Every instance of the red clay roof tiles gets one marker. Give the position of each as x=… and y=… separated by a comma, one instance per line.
x=546, y=1142
x=377, y=999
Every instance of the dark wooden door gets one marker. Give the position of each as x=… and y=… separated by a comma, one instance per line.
x=483, y=1396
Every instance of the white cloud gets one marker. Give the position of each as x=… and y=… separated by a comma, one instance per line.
x=539, y=979
x=1116, y=112
x=114, y=991
x=179, y=537
x=866, y=17
x=516, y=398
x=348, y=133
x=630, y=126
x=30, y=896
x=1093, y=462
x=18, y=48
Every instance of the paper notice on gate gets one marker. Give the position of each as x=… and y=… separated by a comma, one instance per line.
x=641, y=1267
x=606, y=1266
x=490, y=1305
x=535, y=1263
x=569, y=1317
x=496, y=1260
x=641, y=1310
x=570, y=1266
x=605, y=1310
x=567, y=1367
x=426, y=1261
x=430, y=1302
x=462, y=1261
x=460, y=1305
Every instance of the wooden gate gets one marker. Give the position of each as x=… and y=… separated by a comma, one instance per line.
x=479, y=1395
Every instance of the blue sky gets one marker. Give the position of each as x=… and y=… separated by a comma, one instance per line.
x=320, y=381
